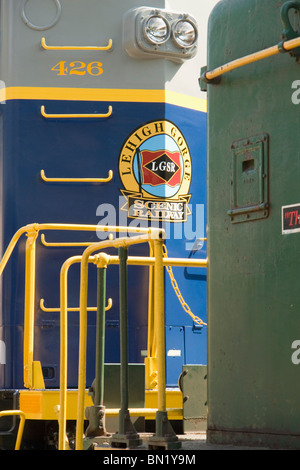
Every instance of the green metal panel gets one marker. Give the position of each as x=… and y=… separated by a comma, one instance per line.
x=253, y=291
x=113, y=394
x=250, y=179
x=194, y=389
x=112, y=385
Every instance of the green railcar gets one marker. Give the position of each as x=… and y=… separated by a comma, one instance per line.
x=253, y=223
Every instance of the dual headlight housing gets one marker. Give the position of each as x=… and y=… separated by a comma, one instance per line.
x=157, y=33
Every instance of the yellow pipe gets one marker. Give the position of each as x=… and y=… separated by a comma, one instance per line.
x=64, y=349
x=32, y=375
x=12, y=244
x=249, y=59
x=77, y=180
x=83, y=318
x=72, y=309
x=76, y=48
x=22, y=416
x=150, y=261
x=76, y=115
x=63, y=244
x=49, y=226
x=159, y=301
x=83, y=227
x=64, y=344
x=151, y=347
x=149, y=412
x=136, y=260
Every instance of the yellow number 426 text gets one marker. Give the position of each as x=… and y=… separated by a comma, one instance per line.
x=78, y=68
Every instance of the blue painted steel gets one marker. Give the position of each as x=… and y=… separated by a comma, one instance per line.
x=191, y=281
x=81, y=149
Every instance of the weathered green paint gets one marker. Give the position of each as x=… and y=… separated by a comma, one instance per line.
x=289, y=31
x=100, y=336
x=253, y=274
x=96, y=413
x=126, y=436
x=193, y=383
x=123, y=253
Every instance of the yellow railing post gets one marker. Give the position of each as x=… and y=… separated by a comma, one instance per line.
x=164, y=436
x=151, y=359
x=159, y=308
x=33, y=377
x=64, y=349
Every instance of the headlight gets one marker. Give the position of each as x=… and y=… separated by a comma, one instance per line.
x=152, y=33
x=156, y=30
x=185, y=33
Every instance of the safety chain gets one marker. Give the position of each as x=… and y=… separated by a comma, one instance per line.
x=184, y=305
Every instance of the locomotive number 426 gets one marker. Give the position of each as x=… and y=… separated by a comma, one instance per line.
x=78, y=68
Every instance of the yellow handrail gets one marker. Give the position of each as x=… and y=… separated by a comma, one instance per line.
x=64, y=349
x=72, y=227
x=146, y=261
x=22, y=416
x=135, y=260
x=150, y=412
x=72, y=309
x=33, y=377
x=83, y=316
x=152, y=236
x=63, y=244
x=77, y=48
x=249, y=59
x=76, y=115
x=150, y=360
x=12, y=245
x=77, y=180
x=64, y=346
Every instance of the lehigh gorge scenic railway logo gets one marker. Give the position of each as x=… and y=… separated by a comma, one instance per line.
x=155, y=168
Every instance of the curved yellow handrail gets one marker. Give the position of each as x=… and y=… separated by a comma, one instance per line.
x=251, y=58
x=31, y=230
x=76, y=115
x=77, y=180
x=156, y=236
x=76, y=48
x=22, y=416
x=134, y=260
x=73, y=309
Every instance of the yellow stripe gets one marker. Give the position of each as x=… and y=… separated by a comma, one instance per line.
x=41, y=404
x=186, y=101
x=104, y=94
